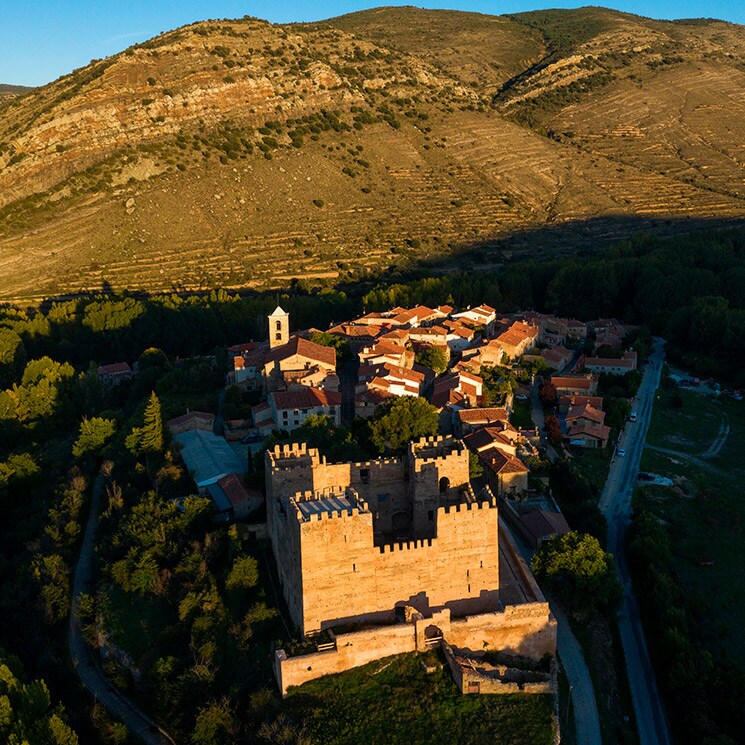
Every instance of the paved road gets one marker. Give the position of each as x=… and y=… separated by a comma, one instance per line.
x=584, y=704
x=615, y=503
x=83, y=660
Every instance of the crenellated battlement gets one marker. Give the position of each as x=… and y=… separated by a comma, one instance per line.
x=389, y=548
x=467, y=506
x=437, y=450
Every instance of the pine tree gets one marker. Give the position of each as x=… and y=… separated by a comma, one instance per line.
x=148, y=439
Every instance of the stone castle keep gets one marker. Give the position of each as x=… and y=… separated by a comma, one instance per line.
x=402, y=545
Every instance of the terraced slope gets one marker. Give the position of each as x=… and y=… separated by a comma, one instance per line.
x=238, y=153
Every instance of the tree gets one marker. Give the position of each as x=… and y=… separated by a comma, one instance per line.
x=94, y=434
x=579, y=571
x=548, y=394
x=148, y=439
x=617, y=411
x=404, y=419
x=433, y=357
x=475, y=469
x=26, y=711
x=244, y=574
x=216, y=724
x=552, y=428
x=343, y=350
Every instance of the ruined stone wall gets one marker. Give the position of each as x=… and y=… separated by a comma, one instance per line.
x=528, y=630
x=345, y=578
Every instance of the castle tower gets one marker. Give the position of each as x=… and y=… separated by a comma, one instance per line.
x=279, y=328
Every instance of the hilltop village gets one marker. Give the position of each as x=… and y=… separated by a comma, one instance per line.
x=405, y=552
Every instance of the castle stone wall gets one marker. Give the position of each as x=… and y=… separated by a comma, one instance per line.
x=345, y=578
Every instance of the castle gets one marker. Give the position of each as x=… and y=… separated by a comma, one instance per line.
x=398, y=552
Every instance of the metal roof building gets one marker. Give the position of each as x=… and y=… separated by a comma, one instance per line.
x=207, y=456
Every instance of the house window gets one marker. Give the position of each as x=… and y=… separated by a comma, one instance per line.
x=278, y=336
x=278, y=326
x=354, y=567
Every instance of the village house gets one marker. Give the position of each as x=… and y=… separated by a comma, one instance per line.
x=575, y=384
x=434, y=336
x=115, y=373
x=610, y=332
x=288, y=410
x=567, y=402
x=233, y=499
x=459, y=336
x=487, y=354
x=516, y=338
x=586, y=427
x=191, y=420
x=482, y=316
x=609, y=365
x=457, y=388
x=358, y=336
x=540, y=526
x=555, y=357
x=489, y=438
x=468, y=420
x=385, y=351
x=505, y=473
x=288, y=362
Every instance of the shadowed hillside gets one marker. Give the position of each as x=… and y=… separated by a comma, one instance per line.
x=240, y=153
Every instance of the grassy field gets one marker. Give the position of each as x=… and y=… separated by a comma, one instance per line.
x=394, y=700
x=705, y=511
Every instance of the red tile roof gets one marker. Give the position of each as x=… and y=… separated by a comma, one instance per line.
x=116, y=368
x=483, y=416
x=304, y=348
x=236, y=490
x=486, y=437
x=501, y=462
x=601, y=432
x=191, y=416
x=585, y=411
x=305, y=398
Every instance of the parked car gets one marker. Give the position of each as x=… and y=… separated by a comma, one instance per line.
x=621, y=452
x=521, y=397
x=632, y=416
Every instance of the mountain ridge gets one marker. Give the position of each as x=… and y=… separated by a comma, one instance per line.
x=241, y=153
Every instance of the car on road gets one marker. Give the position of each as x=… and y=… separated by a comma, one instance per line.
x=521, y=397
x=632, y=416
x=621, y=452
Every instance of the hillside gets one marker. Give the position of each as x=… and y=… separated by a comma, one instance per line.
x=240, y=153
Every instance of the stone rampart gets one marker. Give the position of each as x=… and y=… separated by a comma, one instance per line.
x=528, y=631
x=352, y=650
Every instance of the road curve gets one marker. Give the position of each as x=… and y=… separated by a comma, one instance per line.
x=83, y=660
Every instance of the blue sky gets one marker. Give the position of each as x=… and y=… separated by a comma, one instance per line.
x=43, y=39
